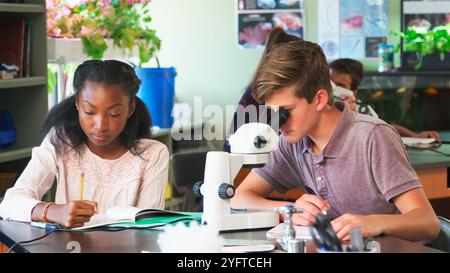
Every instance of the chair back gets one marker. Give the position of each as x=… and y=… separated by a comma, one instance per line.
x=442, y=242
x=188, y=168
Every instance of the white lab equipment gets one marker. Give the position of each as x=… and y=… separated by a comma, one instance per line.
x=250, y=145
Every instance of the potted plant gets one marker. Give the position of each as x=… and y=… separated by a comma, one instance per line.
x=427, y=49
x=126, y=23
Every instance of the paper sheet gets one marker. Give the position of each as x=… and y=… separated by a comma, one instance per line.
x=300, y=232
x=415, y=140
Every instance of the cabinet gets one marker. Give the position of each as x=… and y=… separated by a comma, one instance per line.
x=26, y=98
x=417, y=100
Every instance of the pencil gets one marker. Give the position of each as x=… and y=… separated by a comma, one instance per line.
x=81, y=186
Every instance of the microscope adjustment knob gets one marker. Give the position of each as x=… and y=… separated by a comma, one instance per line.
x=259, y=141
x=196, y=189
x=226, y=191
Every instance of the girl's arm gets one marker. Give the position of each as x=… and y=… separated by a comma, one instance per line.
x=33, y=183
x=153, y=187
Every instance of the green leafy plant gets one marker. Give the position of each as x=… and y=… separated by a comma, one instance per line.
x=425, y=41
x=93, y=21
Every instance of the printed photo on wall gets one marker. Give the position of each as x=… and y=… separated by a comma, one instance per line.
x=352, y=28
x=372, y=44
x=427, y=21
x=425, y=14
x=269, y=4
x=256, y=18
x=253, y=28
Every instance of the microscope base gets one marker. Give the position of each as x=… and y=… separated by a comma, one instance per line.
x=238, y=221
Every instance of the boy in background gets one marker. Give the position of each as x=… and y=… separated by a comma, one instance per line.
x=348, y=73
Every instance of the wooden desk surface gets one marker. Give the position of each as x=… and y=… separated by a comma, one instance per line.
x=139, y=240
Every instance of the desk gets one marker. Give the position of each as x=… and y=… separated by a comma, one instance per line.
x=433, y=170
x=138, y=240
x=445, y=135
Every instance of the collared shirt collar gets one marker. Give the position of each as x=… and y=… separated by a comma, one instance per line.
x=339, y=137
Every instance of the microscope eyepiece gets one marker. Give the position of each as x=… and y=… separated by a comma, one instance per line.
x=284, y=115
x=276, y=118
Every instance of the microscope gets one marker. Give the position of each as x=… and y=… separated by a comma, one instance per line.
x=250, y=146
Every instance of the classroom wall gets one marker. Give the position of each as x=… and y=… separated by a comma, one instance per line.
x=199, y=40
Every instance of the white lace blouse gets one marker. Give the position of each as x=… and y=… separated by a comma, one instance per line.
x=130, y=180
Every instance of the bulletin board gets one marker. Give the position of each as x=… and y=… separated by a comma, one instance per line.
x=352, y=28
x=255, y=19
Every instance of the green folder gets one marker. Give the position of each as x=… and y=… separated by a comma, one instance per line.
x=160, y=221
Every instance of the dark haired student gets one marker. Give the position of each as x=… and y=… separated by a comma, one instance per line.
x=98, y=148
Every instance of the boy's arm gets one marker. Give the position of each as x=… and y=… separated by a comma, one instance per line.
x=398, y=182
x=252, y=192
x=416, y=222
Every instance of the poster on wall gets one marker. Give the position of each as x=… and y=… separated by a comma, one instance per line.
x=427, y=14
x=257, y=17
x=352, y=28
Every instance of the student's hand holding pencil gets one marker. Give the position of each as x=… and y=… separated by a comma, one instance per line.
x=73, y=214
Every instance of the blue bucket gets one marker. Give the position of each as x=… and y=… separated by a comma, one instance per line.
x=158, y=91
x=7, y=129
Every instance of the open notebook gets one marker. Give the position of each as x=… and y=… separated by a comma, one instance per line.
x=138, y=217
x=300, y=232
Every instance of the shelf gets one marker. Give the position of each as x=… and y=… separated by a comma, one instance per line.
x=21, y=8
x=11, y=153
x=405, y=79
x=70, y=50
x=408, y=73
x=27, y=97
x=23, y=82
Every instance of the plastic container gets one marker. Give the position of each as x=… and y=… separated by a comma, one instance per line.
x=385, y=57
x=158, y=91
x=7, y=129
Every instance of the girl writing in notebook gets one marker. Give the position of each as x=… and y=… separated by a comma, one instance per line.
x=98, y=148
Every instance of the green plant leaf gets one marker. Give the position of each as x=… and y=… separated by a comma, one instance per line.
x=95, y=46
x=51, y=82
